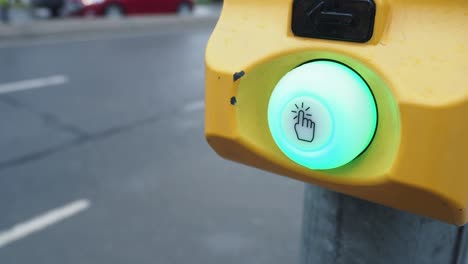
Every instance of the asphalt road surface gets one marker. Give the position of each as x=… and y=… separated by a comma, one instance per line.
x=103, y=159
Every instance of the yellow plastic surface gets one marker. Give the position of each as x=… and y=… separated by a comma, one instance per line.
x=416, y=64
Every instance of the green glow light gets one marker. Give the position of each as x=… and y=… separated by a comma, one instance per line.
x=322, y=115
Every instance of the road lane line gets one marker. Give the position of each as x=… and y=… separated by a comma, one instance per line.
x=42, y=221
x=194, y=106
x=33, y=83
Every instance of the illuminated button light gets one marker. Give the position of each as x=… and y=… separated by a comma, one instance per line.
x=322, y=115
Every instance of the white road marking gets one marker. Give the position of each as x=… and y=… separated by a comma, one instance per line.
x=33, y=84
x=41, y=222
x=194, y=106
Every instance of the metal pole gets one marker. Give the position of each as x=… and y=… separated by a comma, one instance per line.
x=339, y=229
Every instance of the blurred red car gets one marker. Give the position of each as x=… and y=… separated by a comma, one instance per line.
x=114, y=8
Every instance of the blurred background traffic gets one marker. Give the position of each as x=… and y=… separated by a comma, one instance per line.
x=102, y=153
x=23, y=11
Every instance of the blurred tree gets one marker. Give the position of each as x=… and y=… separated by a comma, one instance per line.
x=4, y=10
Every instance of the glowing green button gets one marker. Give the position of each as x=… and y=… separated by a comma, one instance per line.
x=322, y=115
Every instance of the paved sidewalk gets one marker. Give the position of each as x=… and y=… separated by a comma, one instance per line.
x=45, y=28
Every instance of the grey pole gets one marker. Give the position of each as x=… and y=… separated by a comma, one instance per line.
x=339, y=229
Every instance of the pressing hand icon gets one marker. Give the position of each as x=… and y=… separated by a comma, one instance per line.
x=304, y=127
